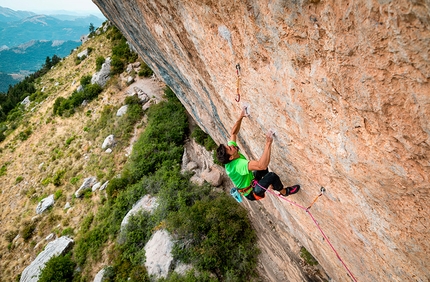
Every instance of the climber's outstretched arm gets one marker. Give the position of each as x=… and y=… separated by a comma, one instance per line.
x=236, y=126
x=264, y=160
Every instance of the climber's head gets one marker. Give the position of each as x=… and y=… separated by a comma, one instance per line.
x=226, y=154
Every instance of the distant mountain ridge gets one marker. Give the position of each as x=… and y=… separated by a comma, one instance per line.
x=9, y=15
x=27, y=38
x=42, y=27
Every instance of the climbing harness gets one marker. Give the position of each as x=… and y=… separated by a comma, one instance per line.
x=247, y=192
x=307, y=210
x=237, y=99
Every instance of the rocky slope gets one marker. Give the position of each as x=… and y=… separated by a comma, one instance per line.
x=345, y=85
x=45, y=146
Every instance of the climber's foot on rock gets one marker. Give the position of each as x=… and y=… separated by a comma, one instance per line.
x=290, y=190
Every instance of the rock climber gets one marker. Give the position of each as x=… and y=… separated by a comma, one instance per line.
x=250, y=176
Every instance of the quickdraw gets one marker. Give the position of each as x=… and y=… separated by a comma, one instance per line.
x=237, y=83
x=322, y=190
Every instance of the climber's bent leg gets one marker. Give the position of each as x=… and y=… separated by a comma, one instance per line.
x=270, y=178
x=258, y=174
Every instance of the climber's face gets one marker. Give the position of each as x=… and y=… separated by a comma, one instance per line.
x=232, y=151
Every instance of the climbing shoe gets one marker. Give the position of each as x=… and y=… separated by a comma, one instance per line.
x=291, y=190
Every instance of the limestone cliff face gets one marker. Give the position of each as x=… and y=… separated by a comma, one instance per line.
x=345, y=85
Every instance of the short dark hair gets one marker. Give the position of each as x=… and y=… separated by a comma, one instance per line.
x=222, y=155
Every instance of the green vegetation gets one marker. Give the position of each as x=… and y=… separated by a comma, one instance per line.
x=27, y=231
x=3, y=169
x=70, y=140
x=10, y=235
x=145, y=71
x=203, y=139
x=74, y=180
x=120, y=127
x=66, y=107
x=23, y=135
x=212, y=231
x=92, y=30
x=99, y=62
x=19, y=179
x=11, y=110
x=56, y=179
x=67, y=232
x=215, y=236
x=58, y=194
x=121, y=52
x=38, y=96
x=58, y=269
x=307, y=257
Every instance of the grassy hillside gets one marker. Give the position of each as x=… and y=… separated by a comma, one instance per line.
x=45, y=153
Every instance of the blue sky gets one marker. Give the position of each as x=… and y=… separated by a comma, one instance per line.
x=51, y=5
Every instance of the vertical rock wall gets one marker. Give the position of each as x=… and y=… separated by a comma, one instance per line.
x=345, y=85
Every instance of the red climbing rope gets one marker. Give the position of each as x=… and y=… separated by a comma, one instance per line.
x=307, y=210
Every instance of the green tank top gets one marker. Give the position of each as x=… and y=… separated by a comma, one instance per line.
x=238, y=171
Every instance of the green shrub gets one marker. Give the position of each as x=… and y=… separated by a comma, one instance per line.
x=75, y=179
x=2, y=136
x=115, y=185
x=99, y=62
x=10, y=235
x=162, y=141
x=135, y=235
x=58, y=194
x=307, y=257
x=86, y=223
x=92, y=91
x=25, y=134
x=211, y=233
x=67, y=231
x=58, y=269
x=19, y=179
x=38, y=96
x=66, y=107
x=46, y=181
x=132, y=100
x=16, y=114
x=121, y=55
x=145, y=70
x=3, y=169
x=70, y=140
x=85, y=80
x=203, y=139
x=191, y=276
x=62, y=105
x=117, y=65
x=56, y=179
x=27, y=231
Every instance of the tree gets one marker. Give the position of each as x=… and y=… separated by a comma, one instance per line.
x=55, y=60
x=48, y=63
x=91, y=28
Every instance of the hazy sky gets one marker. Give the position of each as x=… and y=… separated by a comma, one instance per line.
x=50, y=5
